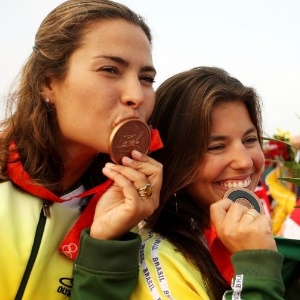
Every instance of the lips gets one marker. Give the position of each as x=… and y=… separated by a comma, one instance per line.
x=119, y=121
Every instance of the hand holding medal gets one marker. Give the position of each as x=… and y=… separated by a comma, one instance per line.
x=137, y=180
x=245, y=226
x=244, y=197
x=130, y=135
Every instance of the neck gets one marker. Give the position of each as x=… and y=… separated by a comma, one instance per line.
x=74, y=168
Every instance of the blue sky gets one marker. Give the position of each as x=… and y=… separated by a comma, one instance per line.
x=257, y=41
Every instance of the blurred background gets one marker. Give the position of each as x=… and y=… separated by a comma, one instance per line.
x=257, y=41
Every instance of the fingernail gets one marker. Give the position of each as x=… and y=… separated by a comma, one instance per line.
x=138, y=154
x=109, y=165
x=127, y=159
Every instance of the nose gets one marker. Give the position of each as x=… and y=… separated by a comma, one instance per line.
x=241, y=158
x=133, y=93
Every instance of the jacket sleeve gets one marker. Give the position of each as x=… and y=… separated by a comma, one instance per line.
x=257, y=276
x=290, y=248
x=106, y=269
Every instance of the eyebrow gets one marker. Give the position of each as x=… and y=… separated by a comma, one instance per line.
x=125, y=63
x=223, y=137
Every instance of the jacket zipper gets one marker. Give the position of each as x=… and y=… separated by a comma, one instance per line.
x=45, y=212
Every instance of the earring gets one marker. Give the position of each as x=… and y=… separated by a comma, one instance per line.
x=47, y=100
x=194, y=224
x=176, y=204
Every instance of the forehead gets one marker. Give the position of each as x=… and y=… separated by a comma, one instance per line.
x=112, y=38
x=233, y=114
x=115, y=35
x=111, y=27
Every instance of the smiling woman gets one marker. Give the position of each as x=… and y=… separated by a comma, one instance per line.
x=91, y=70
x=198, y=242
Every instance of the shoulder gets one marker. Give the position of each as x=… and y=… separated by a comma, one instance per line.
x=165, y=272
x=8, y=188
x=156, y=246
x=158, y=255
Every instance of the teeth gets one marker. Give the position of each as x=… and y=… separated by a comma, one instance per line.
x=241, y=184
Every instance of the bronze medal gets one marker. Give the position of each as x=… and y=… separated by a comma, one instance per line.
x=127, y=136
x=244, y=197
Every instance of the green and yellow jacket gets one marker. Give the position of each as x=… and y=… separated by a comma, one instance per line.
x=31, y=266
x=166, y=274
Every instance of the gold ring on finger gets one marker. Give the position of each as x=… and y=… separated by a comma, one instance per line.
x=146, y=191
x=250, y=213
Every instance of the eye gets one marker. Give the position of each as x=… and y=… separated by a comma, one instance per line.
x=148, y=79
x=251, y=140
x=109, y=69
x=215, y=147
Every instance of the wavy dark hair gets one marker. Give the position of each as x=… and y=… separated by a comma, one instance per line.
x=182, y=114
x=32, y=123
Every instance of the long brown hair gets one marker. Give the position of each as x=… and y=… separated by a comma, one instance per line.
x=182, y=114
x=30, y=122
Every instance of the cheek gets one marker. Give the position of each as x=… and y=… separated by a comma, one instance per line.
x=259, y=159
x=149, y=107
x=212, y=167
x=198, y=187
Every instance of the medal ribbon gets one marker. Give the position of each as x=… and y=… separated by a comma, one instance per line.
x=21, y=178
x=220, y=254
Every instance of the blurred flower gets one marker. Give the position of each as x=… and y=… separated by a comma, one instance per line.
x=280, y=150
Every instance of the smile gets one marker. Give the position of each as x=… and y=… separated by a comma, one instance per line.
x=237, y=184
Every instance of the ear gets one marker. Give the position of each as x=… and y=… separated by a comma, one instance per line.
x=48, y=90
